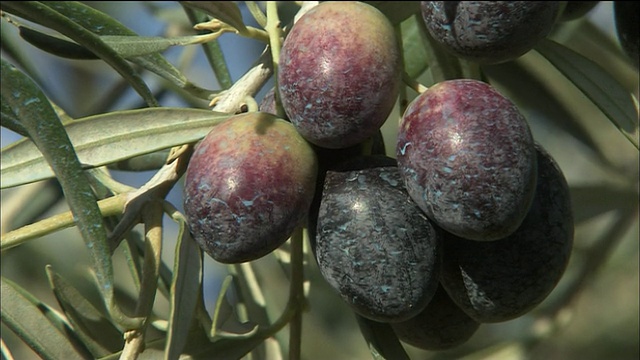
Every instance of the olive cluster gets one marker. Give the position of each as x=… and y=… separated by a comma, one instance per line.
x=469, y=223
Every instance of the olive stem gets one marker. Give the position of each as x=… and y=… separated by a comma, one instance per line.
x=413, y=84
x=108, y=207
x=296, y=294
x=257, y=13
x=152, y=218
x=275, y=43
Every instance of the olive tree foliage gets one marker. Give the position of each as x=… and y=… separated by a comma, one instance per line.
x=577, y=87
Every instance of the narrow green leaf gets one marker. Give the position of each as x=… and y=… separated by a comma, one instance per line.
x=185, y=289
x=45, y=129
x=382, y=340
x=415, y=55
x=212, y=51
x=111, y=137
x=589, y=201
x=95, y=331
x=397, y=11
x=146, y=162
x=4, y=351
x=442, y=64
x=55, y=45
x=132, y=46
x=47, y=16
x=104, y=25
x=23, y=315
x=13, y=47
x=9, y=120
x=30, y=204
x=225, y=11
x=597, y=84
x=527, y=90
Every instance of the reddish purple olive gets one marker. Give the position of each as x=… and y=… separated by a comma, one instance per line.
x=339, y=73
x=467, y=158
x=249, y=183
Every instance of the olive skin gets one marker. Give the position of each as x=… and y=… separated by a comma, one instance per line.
x=441, y=325
x=374, y=246
x=467, y=157
x=339, y=73
x=501, y=280
x=248, y=184
x=489, y=32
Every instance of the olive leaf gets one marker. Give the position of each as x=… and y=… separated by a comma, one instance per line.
x=185, y=288
x=96, y=332
x=132, y=46
x=31, y=320
x=442, y=64
x=44, y=14
x=127, y=46
x=414, y=52
x=397, y=11
x=225, y=11
x=55, y=45
x=108, y=138
x=9, y=120
x=589, y=201
x=40, y=120
x=597, y=84
x=102, y=24
x=530, y=93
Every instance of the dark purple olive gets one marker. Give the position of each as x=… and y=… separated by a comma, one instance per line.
x=467, y=158
x=489, y=32
x=374, y=246
x=441, y=325
x=501, y=280
x=249, y=183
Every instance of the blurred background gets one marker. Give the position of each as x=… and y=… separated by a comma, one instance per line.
x=598, y=322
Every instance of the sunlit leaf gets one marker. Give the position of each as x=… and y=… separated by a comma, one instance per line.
x=127, y=46
x=24, y=316
x=111, y=137
x=225, y=11
x=55, y=45
x=102, y=24
x=132, y=46
x=40, y=120
x=185, y=288
x=597, y=84
x=45, y=15
x=96, y=332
